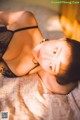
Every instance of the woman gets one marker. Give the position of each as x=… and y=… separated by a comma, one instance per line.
x=23, y=42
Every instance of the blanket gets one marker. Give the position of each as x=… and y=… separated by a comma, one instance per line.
x=25, y=98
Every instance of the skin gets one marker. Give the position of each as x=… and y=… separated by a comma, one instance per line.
x=26, y=44
x=19, y=56
x=49, y=81
x=50, y=55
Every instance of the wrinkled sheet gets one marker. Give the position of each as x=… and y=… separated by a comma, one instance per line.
x=25, y=98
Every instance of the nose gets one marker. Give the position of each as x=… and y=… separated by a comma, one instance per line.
x=37, y=47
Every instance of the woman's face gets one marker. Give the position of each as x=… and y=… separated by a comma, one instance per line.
x=51, y=54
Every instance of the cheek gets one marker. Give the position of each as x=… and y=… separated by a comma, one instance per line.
x=44, y=63
x=43, y=59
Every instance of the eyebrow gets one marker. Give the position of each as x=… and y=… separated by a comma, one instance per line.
x=59, y=64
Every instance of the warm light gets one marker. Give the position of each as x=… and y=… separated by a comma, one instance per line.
x=53, y=24
x=67, y=26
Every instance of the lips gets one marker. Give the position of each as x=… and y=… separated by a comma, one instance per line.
x=38, y=53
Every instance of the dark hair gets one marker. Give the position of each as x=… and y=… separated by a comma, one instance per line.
x=72, y=72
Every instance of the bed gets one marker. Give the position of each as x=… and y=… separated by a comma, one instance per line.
x=24, y=98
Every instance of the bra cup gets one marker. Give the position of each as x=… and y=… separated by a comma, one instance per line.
x=5, y=38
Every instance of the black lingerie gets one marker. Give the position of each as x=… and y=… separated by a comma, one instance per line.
x=5, y=38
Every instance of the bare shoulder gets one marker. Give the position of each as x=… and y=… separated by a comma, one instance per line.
x=27, y=18
x=21, y=19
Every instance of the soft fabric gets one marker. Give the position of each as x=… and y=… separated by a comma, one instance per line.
x=26, y=99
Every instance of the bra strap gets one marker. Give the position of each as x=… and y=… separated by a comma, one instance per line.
x=26, y=28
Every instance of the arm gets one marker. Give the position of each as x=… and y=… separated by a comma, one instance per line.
x=20, y=17
x=9, y=18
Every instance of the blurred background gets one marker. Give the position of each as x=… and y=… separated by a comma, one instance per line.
x=46, y=3
x=51, y=17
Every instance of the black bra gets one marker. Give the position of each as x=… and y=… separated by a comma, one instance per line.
x=5, y=38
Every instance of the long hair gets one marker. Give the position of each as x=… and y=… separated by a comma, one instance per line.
x=72, y=73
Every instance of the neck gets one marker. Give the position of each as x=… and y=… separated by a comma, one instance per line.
x=37, y=37
x=48, y=80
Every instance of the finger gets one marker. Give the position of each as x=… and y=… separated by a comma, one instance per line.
x=35, y=70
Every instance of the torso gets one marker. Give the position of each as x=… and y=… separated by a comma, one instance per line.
x=19, y=56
